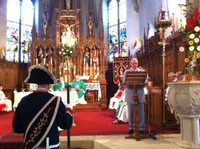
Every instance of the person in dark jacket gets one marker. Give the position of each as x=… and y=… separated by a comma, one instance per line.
x=40, y=114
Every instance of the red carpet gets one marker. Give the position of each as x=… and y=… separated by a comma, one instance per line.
x=87, y=123
x=97, y=123
x=6, y=122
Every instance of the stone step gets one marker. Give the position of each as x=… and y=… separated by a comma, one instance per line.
x=96, y=106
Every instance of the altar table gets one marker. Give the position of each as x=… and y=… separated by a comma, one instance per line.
x=63, y=94
x=94, y=86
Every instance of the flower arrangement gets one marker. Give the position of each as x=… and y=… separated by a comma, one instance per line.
x=66, y=51
x=163, y=24
x=192, y=39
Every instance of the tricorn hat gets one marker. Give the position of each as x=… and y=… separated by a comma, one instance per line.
x=40, y=75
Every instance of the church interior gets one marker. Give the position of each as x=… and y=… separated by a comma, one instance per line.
x=96, y=40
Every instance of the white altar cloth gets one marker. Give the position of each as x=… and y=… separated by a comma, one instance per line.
x=63, y=94
x=94, y=86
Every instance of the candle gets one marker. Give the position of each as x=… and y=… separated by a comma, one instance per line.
x=36, y=61
x=44, y=61
x=97, y=61
x=161, y=33
x=74, y=69
x=173, y=19
x=84, y=61
x=181, y=15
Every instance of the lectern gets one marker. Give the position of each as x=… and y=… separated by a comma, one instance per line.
x=135, y=79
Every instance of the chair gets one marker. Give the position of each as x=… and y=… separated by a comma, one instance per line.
x=90, y=97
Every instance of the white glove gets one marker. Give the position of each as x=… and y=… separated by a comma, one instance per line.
x=69, y=105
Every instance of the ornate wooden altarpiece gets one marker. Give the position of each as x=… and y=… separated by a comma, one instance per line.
x=120, y=64
x=89, y=52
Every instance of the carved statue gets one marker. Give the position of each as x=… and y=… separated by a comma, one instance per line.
x=67, y=4
x=63, y=37
x=45, y=25
x=90, y=25
x=87, y=55
x=68, y=37
x=49, y=56
x=40, y=56
x=86, y=60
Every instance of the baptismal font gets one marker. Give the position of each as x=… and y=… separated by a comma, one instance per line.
x=183, y=98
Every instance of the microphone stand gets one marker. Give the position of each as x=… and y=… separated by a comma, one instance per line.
x=149, y=134
x=68, y=101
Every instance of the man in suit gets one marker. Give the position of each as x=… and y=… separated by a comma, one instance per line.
x=140, y=99
x=40, y=114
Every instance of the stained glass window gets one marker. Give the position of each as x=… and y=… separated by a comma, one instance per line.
x=13, y=24
x=114, y=42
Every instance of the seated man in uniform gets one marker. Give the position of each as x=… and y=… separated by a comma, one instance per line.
x=78, y=86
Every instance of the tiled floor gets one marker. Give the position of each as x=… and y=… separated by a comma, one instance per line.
x=167, y=141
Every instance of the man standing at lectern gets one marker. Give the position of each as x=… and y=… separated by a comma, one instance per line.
x=140, y=99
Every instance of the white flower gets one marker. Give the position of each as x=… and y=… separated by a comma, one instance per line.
x=196, y=40
x=191, y=48
x=197, y=29
x=198, y=55
x=198, y=48
x=191, y=36
x=181, y=49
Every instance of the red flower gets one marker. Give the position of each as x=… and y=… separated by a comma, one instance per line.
x=195, y=15
x=190, y=24
x=193, y=20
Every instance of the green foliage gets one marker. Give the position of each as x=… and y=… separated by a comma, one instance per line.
x=66, y=51
x=163, y=24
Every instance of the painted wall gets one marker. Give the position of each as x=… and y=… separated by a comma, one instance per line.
x=3, y=23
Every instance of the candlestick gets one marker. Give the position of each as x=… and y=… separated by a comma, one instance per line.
x=84, y=61
x=51, y=61
x=161, y=33
x=44, y=61
x=173, y=26
x=74, y=69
